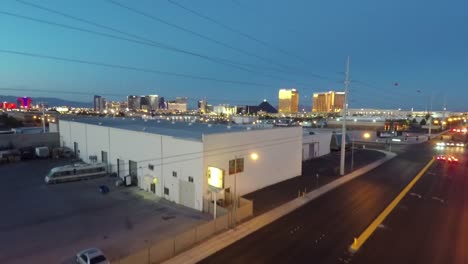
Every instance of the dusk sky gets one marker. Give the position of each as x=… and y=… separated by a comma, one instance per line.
x=402, y=52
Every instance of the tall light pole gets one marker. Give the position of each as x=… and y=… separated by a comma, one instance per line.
x=343, y=130
x=43, y=117
x=352, y=154
x=430, y=118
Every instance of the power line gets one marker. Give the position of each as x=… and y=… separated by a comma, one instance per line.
x=146, y=42
x=160, y=44
x=56, y=91
x=151, y=43
x=52, y=91
x=264, y=43
x=125, y=67
x=155, y=18
x=389, y=93
x=229, y=28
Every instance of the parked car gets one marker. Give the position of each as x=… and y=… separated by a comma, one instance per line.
x=91, y=256
x=27, y=153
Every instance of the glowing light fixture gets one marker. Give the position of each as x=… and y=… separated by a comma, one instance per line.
x=254, y=156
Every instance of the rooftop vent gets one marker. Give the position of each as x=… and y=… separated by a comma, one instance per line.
x=210, y=125
x=190, y=124
x=159, y=121
x=228, y=127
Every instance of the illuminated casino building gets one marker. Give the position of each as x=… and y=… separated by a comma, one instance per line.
x=24, y=102
x=288, y=101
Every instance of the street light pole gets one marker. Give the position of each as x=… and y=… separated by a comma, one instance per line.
x=343, y=130
x=352, y=154
x=430, y=118
x=43, y=117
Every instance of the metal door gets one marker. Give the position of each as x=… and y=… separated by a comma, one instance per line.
x=187, y=193
x=132, y=168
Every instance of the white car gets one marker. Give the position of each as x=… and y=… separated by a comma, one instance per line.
x=91, y=256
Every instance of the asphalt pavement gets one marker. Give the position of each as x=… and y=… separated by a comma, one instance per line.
x=430, y=225
x=322, y=230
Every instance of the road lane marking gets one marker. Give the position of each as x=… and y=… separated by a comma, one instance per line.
x=438, y=199
x=359, y=241
x=416, y=195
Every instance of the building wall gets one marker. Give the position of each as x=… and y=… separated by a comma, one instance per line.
x=50, y=140
x=166, y=154
x=225, y=109
x=321, y=144
x=378, y=125
x=174, y=106
x=288, y=101
x=328, y=102
x=279, y=157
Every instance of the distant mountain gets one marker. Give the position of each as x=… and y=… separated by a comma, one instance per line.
x=50, y=101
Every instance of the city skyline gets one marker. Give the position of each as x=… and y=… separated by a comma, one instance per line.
x=396, y=62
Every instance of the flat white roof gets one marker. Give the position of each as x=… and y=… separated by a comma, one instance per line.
x=178, y=129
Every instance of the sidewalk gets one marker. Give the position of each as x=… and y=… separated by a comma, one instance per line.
x=227, y=238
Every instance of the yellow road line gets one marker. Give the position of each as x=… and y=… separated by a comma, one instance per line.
x=359, y=241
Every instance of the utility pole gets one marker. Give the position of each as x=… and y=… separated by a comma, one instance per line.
x=444, y=113
x=43, y=117
x=430, y=117
x=343, y=130
x=352, y=154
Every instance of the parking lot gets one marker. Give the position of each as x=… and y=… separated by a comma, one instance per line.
x=43, y=223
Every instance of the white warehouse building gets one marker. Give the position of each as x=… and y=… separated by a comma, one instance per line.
x=172, y=159
x=316, y=143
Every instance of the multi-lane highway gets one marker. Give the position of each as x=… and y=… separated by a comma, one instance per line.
x=430, y=225
x=322, y=231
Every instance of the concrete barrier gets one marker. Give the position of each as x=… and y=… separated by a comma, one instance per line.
x=221, y=223
x=162, y=250
x=205, y=230
x=166, y=249
x=184, y=240
x=245, y=209
x=139, y=257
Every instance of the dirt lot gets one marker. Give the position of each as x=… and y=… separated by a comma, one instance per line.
x=43, y=223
